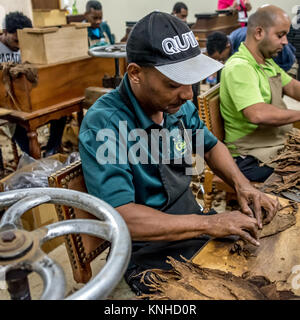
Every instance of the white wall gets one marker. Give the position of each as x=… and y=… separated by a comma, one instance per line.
x=117, y=12
x=7, y=6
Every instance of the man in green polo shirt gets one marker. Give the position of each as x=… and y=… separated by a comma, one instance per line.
x=136, y=144
x=255, y=116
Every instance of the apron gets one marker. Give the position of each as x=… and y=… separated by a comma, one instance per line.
x=265, y=141
x=180, y=200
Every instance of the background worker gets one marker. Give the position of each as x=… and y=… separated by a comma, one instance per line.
x=241, y=6
x=180, y=10
x=10, y=52
x=9, y=43
x=99, y=32
x=252, y=86
x=220, y=47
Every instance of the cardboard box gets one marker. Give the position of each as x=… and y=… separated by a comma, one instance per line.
x=53, y=44
x=41, y=215
x=49, y=18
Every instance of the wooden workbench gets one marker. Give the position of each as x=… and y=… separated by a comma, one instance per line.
x=207, y=23
x=277, y=257
x=59, y=93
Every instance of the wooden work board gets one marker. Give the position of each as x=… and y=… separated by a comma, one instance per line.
x=277, y=257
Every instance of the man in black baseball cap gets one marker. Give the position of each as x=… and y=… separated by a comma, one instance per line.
x=161, y=41
x=120, y=136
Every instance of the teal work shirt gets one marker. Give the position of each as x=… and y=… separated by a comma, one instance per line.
x=99, y=33
x=101, y=137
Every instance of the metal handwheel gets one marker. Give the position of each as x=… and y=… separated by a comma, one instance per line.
x=20, y=250
x=115, y=51
x=108, y=51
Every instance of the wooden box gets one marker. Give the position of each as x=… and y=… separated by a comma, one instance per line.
x=53, y=44
x=58, y=83
x=49, y=18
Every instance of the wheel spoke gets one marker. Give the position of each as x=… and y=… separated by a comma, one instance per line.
x=14, y=213
x=88, y=226
x=53, y=278
x=109, y=226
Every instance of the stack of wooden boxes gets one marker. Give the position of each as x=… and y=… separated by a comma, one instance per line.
x=54, y=44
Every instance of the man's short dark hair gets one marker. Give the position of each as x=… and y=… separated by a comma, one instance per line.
x=96, y=5
x=265, y=17
x=178, y=6
x=16, y=20
x=216, y=42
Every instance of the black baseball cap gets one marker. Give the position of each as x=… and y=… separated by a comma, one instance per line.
x=167, y=43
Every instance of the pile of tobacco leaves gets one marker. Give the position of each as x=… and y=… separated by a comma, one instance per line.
x=287, y=170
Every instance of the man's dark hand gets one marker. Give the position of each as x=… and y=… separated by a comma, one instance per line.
x=249, y=195
x=233, y=223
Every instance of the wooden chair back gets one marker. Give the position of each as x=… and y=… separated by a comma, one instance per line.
x=82, y=248
x=209, y=111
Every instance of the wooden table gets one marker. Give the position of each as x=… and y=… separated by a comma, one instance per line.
x=59, y=93
x=207, y=23
x=277, y=257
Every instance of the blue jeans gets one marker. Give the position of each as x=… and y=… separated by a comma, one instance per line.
x=249, y=166
x=54, y=142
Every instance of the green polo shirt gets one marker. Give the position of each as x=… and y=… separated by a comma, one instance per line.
x=101, y=135
x=243, y=84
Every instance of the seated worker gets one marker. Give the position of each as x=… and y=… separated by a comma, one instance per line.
x=220, y=47
x=99, y=32
x=180, y=10
x=153, y=195
x=10, y=52
x=256, y=118
x=241, y=6
x=9, y=43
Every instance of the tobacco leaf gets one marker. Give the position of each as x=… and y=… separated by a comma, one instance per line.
x=188, y=281
x=280, y=222
x=287, y=169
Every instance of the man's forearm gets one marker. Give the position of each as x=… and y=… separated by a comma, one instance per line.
x=148, y=224
x=292, y=89
x=267, y=114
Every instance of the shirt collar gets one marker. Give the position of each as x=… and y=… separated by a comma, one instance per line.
x=247, y=54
